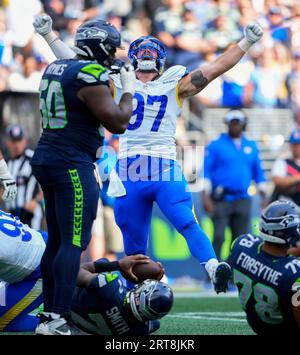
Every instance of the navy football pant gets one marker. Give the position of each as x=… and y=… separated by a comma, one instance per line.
x=134, y=210
x=71, y=198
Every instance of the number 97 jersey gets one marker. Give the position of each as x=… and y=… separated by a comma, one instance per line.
x=156, y=106
x=266, y=285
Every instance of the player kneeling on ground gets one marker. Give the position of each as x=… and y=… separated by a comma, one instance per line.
x=268, y=279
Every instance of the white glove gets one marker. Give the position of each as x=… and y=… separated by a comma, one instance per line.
x=128, y=79
x=253, y=33
x=8, y=183
x=43, y=25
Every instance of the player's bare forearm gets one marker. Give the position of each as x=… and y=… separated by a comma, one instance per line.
x=197, y=80
x=113, y=117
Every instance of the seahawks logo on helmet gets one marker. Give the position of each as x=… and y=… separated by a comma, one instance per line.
x=91, y=33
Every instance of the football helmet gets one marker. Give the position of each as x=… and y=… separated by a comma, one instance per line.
x=150, y=300
x=147, y=54
x=98, y=40
x=280, y=223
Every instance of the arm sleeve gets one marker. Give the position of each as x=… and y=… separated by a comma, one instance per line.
x=106, y=266
x=61, y=50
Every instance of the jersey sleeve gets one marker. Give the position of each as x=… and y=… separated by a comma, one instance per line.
x=92, y=74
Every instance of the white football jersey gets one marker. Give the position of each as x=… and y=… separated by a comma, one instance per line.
x=156, y=106
x=21, y=249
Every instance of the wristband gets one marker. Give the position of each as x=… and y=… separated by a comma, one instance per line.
x=106, y=266
x=50, y=37
x=244, y=44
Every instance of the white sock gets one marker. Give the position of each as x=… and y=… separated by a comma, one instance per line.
x=211, y=266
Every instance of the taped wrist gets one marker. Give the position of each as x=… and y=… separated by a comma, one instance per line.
x=50, y=37
x=244, y=44
x=106, y=266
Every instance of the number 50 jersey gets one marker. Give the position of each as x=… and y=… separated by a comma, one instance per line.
x=156, y=106
x=267, y=286
x=21, y=249
x=70, y=131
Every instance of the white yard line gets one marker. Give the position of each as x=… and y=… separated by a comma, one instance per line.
x=208, y=294
x=228, y=316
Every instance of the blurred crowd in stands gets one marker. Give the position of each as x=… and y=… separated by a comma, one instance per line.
x=194, y=31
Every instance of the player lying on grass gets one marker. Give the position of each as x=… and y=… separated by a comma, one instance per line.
x=101, y=304
x=148, y=144
x=268, y=279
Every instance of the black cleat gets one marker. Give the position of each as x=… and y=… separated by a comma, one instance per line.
x=221, y=277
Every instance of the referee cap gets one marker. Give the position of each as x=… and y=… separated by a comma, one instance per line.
x=15, y=132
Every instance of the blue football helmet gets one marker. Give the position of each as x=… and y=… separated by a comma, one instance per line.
x=150, y=300
x=147, y=54
x=98, y=40
x=280, y=223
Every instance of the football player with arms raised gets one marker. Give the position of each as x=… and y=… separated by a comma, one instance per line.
x=147, y=170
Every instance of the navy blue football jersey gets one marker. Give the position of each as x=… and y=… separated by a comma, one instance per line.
x=70, y=132
x=265, y=283
x=99, y=308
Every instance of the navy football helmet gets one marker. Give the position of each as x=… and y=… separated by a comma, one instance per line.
x=280, y=223
x=98, y=40
x=147, y=54
x=150, y=300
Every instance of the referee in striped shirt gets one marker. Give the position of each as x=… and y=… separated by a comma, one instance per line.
x=27, y=205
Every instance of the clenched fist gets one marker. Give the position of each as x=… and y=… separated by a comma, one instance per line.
x=253, y=33
x=43, y=24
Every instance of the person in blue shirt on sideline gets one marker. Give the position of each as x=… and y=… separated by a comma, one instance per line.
x=231, y=163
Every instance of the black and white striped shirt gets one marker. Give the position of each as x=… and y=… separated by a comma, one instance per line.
x=27, y=185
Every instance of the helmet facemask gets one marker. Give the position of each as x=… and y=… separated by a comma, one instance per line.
x=147, y=54
x=97, y=40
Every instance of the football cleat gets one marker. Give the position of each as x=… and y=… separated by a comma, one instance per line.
x=59, y=326
x=221, y=276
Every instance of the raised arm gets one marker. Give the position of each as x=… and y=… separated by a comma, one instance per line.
x=43, y=26
x=197, y=80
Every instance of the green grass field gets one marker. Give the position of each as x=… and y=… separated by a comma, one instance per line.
x=205, y=316
x=193, y=314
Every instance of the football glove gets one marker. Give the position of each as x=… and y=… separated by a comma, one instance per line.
x=253, y=33
x=7, y=182
x=128, y=79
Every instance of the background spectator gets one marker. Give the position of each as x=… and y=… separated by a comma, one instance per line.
x=286, y=172
x=27, y=205
x=231, y=163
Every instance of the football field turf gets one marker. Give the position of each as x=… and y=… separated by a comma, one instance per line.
x=193, y=314
x=205, y=316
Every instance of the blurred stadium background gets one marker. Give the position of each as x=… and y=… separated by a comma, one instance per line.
x=266, y=84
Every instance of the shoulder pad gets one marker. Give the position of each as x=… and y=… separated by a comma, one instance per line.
x=246, y=240
x=93, y=73
x=175, y=73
